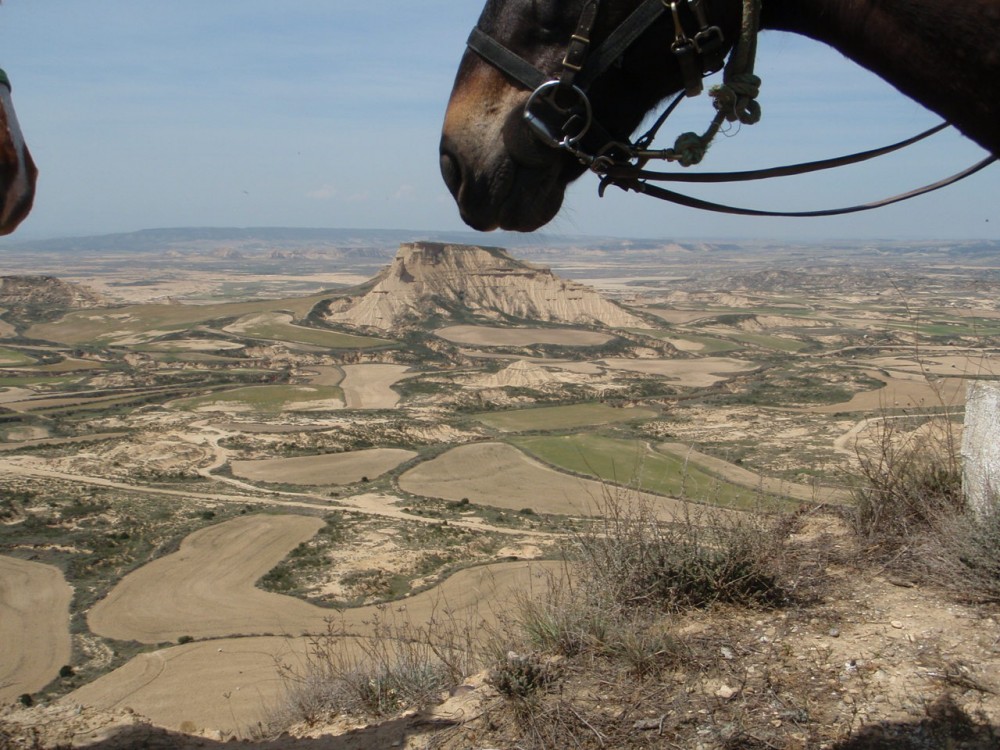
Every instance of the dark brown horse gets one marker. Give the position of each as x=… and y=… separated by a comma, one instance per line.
x=17, y=169
x=942, y=54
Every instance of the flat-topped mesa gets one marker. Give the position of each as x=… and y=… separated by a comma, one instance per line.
x=451, y=281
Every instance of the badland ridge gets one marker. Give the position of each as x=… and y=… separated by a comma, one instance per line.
x=451, y=281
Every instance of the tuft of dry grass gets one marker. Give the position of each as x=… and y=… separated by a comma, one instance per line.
x=911, y=513
x=394, y=666
x=635, y=560
x=910, y=481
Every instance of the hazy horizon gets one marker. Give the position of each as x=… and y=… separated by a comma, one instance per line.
x=497, y=238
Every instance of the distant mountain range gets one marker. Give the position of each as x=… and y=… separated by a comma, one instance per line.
x=384, y=242
x=270, y=238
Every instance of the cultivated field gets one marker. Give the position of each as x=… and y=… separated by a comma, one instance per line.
x=491, y=336
x=504, y=477
x=34, y=626
x=230, y=684
x=338, y=468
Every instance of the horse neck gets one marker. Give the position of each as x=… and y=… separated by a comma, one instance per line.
x=942, y=54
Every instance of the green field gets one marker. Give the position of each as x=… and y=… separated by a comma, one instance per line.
x=769, y=342
x=14, y=358
x=561, y=417
x=633, y=463
x=265, y=398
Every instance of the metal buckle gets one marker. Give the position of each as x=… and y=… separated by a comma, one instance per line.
x=577, y=117
x=680, y=36
x=709, y=40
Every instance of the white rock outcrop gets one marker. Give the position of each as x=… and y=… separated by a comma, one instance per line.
x=429, y=278
x=981, y=447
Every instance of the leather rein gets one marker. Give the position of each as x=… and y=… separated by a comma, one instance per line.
x=559, y=112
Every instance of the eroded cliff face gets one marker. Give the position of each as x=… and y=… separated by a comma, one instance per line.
x=429, y=278
x=18, y=292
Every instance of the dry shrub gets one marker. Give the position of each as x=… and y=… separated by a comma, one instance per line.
x=911, y=511
x=910, y=480
x=396, y=665
x=631, y=570
x=962, y=555
x=635, y=560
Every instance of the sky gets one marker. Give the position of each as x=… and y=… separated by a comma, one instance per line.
x=327, y=113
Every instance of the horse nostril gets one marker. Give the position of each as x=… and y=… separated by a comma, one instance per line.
x=451, y=170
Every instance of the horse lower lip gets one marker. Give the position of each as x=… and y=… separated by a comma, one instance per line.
x=451, y=169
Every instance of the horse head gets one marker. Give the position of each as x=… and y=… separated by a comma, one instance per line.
x=500, y=172
x=17, y=169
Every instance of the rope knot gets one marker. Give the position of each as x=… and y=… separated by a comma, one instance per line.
x=689, y=149
x=736, y=98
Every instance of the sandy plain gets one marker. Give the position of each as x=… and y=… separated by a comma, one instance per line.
x=178, y=686
x=34, y=626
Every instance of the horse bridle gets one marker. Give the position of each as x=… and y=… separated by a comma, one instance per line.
x=559, y=112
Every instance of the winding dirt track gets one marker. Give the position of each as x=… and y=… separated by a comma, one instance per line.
x=372, y=504
x=34, y=626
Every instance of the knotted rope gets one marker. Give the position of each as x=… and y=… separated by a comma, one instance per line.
x=735, y=99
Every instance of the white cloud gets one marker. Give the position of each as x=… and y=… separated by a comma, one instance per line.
x=324, y=193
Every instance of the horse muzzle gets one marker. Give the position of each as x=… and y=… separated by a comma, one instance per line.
x=18, y=173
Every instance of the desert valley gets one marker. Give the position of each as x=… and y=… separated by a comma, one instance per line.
x=223, y=451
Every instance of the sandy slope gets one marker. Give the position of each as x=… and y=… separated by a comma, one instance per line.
x=501, y=476
x=34, y=626
x=229, y=684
